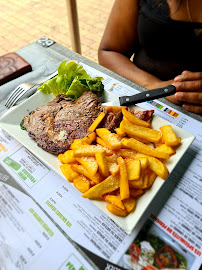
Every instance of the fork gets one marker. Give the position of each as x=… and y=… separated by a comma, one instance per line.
x=23, y=89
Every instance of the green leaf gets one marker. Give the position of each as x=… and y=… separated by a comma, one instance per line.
x=182, y=263
x=21, y=125
x=72, y=80
x=76, y=89
x=96, y=85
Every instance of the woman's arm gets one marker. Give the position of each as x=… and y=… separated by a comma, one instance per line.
x=118, y=42
x=117, y=46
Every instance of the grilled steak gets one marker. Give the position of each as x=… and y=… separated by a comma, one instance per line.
x=55, y=125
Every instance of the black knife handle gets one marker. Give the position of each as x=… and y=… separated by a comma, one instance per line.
x=148, y=95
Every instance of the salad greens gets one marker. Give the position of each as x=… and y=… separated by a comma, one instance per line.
x=72, y=80
x=21, y=125
x=181, y=261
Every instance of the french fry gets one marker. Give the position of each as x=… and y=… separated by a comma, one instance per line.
x=129, y=204
x=82, y=170
x=77, y=143
x=115, y=200
x=159, y=143
x=81, y=183
x=112, y=158
x=156, y=166
x=135, y=192
x=152, y=178
x=143, y=148
x=111, y=139
x=163, y=141
x=89, y=163
x=169, y=135
x=60, y=158
x=166, y=149
x=133, y=169
x=143, y=162
x=114, y=109
x=90, y=138
x=116, y=210
x=120, y=133
x=142, y=182
x=67, y=157
x=126, y=153
x=103, y=143
x=179, y=140
x=113, y=168
x=90, y=151
x=133, y=119
x=148, y=134
x=97, y=121
x=110, y=184
x=108, y=152
x=68, y=172
x=136, y=183
x=145, y=181
x=124, y=186
x=102, y=164
x=125, y=119
x=139, y=139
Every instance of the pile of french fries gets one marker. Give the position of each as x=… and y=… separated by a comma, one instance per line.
x=119, y=167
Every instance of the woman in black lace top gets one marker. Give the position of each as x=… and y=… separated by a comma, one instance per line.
x=165, y=37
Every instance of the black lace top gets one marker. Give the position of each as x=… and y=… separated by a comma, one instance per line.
x=166, y=47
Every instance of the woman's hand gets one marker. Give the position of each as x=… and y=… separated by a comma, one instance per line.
x=189, y=91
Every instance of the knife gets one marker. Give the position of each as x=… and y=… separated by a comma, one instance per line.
x=148, y=95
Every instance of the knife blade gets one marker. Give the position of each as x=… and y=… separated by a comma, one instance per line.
x=148, y=95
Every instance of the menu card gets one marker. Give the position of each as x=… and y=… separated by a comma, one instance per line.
x=28, y=239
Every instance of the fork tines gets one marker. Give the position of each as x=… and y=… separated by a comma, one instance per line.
x=14, y=96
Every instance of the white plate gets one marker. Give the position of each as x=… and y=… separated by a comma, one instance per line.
x=11, y=123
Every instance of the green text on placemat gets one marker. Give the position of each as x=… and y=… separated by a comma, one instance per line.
x=11, y=163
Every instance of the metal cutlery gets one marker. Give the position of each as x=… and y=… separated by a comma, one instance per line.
x=23, y=90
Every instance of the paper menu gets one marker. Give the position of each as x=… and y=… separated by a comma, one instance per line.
x=28, y=239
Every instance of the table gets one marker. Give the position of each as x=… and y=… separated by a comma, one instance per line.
x=44, y=61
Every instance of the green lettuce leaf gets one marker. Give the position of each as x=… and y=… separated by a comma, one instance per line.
x=72, y=80
x=76, y=88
